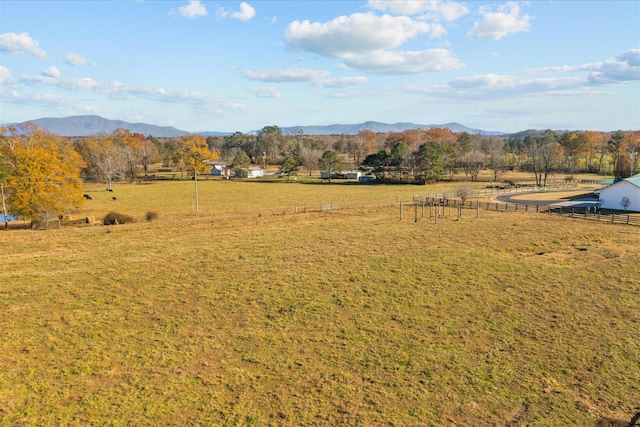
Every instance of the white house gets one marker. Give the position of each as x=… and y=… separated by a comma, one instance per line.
x=219, y=169
x=626, y=191
x=253, y=172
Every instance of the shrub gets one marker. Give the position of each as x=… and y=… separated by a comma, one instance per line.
x=114, y=218
x=151, y=215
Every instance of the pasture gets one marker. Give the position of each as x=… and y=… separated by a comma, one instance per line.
x=247, y=313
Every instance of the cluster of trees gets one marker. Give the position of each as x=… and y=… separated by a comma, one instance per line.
x=431, y=155
x=121, y=155
x=41, y=173
x=570, y=152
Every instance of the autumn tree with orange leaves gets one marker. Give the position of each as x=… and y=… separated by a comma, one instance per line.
x=190, y=153
x=42, y=173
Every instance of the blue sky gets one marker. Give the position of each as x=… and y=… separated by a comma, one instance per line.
x=239, y=66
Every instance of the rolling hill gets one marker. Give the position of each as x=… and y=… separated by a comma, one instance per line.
x=92, y=125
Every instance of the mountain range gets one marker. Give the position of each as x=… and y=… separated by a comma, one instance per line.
x=93, y=125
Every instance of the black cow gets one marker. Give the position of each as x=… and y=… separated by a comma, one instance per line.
x=88, y=197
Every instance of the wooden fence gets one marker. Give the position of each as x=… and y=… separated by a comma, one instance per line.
x=501, y=190
x=437, y=206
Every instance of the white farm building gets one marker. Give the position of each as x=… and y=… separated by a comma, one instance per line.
x=624, y=192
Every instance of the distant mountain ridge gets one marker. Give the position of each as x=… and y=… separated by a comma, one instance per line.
x=378, y=127
x=93, y=125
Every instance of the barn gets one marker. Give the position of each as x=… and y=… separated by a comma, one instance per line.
x=624, y=192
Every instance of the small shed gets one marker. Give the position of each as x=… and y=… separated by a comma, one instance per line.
x=624, y=192
x=253, y=172
x=219, y=169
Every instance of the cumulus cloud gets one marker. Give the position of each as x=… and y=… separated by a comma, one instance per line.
x=20, y=43
x=75, y=59
x=506, y=20
x=409, y=62
x=265, y=92
x=435, y=10
x=289, y=75
x=51, y=71
x=365, y=41
x=357, y=33
x=5, y=75
x=340, y=82
x=193, y=9
x=245, y=13
x=622, y=68
x=559, y=81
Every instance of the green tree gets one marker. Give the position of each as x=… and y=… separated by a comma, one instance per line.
x=241, y=163
x=43, y=173
x=429, y=161
x=289, y=166
x=330, y=162
x=378, y=163
x=464, y=142
x=270, y=140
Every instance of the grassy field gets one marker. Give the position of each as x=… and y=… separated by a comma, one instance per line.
x=249, y=314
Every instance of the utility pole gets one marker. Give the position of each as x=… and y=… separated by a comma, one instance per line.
x=4, y=208
x=195, y=179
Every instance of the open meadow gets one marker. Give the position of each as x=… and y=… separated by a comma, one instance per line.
x=247, y=313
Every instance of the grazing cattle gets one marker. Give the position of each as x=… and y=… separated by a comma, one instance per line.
x=88, y=197
x=109, y=190
x=113, y=198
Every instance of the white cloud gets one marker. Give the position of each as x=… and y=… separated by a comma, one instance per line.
x=51, y=71
x=5, y=75
x=505, y=21
x=75, y=59
x=364, y=41
x=289, y=75
x=409, y=62
x=435, y=10
x=83, y=83
x=340, y=82
x=20, y=43
x=622, y=68
x=245, y=13
x=193, y=9
x=625, y=67
x=265, y=92
x=357, y=33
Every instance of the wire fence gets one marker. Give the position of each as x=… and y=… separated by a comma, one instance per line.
x=435, y=207
x=496, y=190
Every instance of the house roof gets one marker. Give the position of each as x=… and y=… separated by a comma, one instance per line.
x=634, y=180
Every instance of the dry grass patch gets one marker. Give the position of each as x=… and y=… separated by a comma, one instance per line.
x=340, y=318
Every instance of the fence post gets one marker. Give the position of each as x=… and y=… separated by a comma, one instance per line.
x=423, y=209
x=478, y=209
x=401, y=205
x=415, y=209
x=628, y=218
x=613, y=217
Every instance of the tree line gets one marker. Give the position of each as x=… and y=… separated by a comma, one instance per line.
x=41, y=174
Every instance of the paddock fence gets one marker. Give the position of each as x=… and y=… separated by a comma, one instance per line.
x=437, y=206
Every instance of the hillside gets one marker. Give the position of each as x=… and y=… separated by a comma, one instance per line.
x=92, y=124
x=378, y=127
